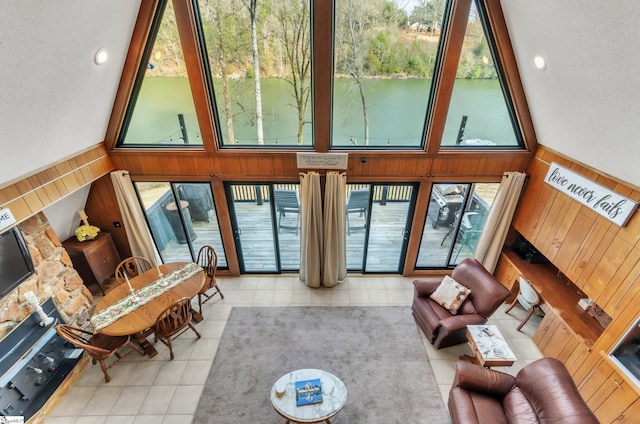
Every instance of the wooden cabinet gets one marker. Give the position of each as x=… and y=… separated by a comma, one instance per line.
x=607, y=393
x=574, y=241
x=623, y=285
x=507, y=274
x=630, y=415
x=536, y=196
x=555, y=339
x=95, y=260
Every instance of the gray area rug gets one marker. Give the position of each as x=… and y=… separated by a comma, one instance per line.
x=375, y=351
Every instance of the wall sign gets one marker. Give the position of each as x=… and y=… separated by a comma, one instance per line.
x=322, y=160
x=618, y=209
x=6, y=219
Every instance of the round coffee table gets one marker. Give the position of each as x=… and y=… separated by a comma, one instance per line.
x=334, y=396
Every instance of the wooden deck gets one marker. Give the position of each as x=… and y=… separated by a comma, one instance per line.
x=259, y=240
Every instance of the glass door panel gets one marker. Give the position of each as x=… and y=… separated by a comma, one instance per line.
x=267, y=233
x=389, y=227
x=253, y=227
x=377, y=226
x=357, y=222
x=180, y=232
x=455, y=218
x=288, y=215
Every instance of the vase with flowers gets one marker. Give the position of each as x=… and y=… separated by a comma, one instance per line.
x=86, y=231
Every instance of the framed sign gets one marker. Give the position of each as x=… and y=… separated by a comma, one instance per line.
x=6, y=219
x=322, y=160
x=613, y=206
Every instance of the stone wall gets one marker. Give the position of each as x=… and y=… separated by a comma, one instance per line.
x=54, y=277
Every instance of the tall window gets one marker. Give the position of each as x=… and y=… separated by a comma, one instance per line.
x=479, y=112
x=259, y=56
x=385, y=56
x=256, y=68
x=161, y=112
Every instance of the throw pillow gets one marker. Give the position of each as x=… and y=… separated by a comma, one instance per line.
x=450, y=294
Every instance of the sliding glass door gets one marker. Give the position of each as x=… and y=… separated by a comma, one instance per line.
x=455, y=219
x=180, y=232
x=266, y=226
x=378, y=225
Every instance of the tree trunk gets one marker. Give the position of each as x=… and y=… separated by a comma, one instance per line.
x=256, y=69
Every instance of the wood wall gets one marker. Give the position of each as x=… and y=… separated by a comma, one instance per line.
x=31, y=194
x=602, y=260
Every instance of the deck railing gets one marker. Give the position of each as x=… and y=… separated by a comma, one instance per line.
x=381, y=194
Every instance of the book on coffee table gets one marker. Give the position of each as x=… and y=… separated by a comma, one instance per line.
x=308, y=392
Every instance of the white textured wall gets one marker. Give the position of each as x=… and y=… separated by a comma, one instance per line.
x=54, y=100
x=586, y=104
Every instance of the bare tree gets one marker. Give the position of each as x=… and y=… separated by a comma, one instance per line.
x=354, y=19
x=223, y=29
x=252, y=7
x=294, y=18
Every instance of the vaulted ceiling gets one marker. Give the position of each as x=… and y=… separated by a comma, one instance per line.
x=56, y=101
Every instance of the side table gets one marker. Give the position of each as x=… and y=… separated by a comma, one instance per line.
x=334, y=396
x=95, y=260
x=489, y=346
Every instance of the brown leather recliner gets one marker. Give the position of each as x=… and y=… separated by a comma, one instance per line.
x=542, y=392
x=445, y=329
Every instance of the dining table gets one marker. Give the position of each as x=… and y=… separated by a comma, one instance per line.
x=133, y=307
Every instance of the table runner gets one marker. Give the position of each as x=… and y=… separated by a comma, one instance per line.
x=146, y=294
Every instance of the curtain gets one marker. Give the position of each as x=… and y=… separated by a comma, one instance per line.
x=311, y=240
x=334, y=268
x=499, y=219
x=140, y=240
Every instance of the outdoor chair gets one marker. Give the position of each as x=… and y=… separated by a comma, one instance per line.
x=174, y=321
x=132, y=267
x=208, y=260
x=357, y=202
x=99, y=346
x=287, y=201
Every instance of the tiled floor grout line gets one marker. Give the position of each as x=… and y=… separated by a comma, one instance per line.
x=161, y=391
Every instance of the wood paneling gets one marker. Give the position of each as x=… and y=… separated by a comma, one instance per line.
x=405, y=166
x=31, y=194
x=603, y=260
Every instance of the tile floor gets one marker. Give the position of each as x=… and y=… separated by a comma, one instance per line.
x=162, y=391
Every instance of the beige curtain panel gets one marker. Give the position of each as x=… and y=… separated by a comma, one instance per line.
x=135, y=224
x=499, y=219
x=311, y=240
x=334, y=268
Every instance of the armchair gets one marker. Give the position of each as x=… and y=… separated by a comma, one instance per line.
x=444, y=329
x=542, y=392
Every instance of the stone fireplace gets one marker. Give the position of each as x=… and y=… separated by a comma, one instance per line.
x=54, y=278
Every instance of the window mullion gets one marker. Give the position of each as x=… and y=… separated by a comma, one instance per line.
x=187, y=30
x=453, y=38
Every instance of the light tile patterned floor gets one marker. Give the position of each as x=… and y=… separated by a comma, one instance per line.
x=162, y=391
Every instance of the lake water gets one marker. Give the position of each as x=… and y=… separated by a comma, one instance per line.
x=396, y=108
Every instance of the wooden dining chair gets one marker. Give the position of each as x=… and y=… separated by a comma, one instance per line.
x=99, y=346
x=174, y=321
x=132, y=266
x=208, y=260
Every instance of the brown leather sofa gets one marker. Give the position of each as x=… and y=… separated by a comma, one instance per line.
x=445, y=329
x=542, y=392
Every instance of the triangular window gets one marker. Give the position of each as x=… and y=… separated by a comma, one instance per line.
x=480, y=112
x=161, y=111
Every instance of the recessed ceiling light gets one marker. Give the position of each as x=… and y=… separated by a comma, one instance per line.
x=540, y=62
x=101, y=56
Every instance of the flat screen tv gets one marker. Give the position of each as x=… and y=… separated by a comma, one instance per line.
x=15, y=261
